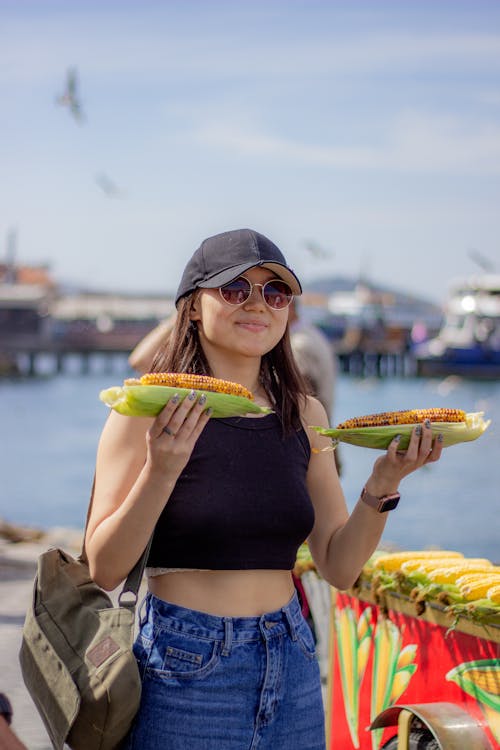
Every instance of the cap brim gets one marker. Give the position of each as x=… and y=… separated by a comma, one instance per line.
x=224, y=277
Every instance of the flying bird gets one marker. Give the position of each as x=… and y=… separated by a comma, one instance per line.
x=70, y=97
x=318, y=252
x=484, y=263
x=108, y=186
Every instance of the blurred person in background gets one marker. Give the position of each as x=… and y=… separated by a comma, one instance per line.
x=316, y=360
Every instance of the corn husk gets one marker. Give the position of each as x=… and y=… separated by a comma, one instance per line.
x=149, y=400
x=380, y=437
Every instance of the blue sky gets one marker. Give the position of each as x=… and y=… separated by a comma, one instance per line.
x=370, y=129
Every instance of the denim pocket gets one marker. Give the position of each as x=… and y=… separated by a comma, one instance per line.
x=182, y=656
x=305, y=639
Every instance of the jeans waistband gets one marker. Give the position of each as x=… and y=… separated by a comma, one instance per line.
x=165, y=615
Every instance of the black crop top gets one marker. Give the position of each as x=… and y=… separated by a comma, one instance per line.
x=241, y=501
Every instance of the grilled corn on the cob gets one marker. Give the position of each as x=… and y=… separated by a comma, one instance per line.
x=378, y=430
x=410, y=416
x=147, y=397
x=198, y=382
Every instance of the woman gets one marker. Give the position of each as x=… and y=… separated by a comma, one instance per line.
x=227, y=660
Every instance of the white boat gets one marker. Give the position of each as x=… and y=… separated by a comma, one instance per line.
x=468, y=343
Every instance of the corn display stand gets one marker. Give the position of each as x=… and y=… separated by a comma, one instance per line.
x=407, y=669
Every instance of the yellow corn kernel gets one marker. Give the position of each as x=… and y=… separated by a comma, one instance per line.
x=478, y=589
x=427, y=565
x=492, y=570
x=196, y=382
x=410, y=416
x=394, y=560
x=452, y=573
x=493, y=593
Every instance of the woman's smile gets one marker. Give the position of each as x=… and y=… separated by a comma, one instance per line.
x=253, y=325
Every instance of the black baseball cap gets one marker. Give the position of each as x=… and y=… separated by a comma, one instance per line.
x=224, y=257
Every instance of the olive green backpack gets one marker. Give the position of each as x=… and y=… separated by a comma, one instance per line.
x=76, y=653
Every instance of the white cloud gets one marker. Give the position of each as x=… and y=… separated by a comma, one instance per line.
x=415, y=143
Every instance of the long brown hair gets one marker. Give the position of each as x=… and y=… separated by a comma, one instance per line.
x=280, y=377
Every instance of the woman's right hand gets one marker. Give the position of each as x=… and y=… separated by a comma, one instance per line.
x=172, y=436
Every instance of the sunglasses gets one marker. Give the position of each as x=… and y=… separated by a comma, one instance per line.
x=276, y=293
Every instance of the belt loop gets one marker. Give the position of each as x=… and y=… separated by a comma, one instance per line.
x=228, y=636
x=291, y=624
x=144, y=607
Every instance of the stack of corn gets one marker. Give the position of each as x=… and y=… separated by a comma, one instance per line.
x=443, y=575
x=467, y=586
x=304, y=561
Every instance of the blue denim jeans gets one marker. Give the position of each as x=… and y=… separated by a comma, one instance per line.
x=226, y=683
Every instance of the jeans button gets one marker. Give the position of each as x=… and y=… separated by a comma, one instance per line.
x=269, y=624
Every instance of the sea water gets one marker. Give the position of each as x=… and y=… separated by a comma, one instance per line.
x=50, y=426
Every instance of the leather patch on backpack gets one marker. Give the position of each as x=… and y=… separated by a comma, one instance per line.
x=102, y=651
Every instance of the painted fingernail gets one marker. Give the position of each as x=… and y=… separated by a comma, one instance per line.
x=192, y=395
x=397, y=438
x=209, y=411
x=175, y=398
x=440, y=437
x=202, y=399
x=427, y=423
x=418, y=430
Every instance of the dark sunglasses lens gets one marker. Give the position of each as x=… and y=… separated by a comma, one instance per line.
x=277, y=294
x=236, y=292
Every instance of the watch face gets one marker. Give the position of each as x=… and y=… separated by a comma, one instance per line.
x=388, y=503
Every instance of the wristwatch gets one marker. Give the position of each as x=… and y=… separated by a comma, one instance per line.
x=5, y=708
x=381, y=504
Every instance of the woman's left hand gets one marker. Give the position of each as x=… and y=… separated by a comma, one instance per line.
x=391, y=468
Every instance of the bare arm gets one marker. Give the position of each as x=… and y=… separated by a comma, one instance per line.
x=341, y=543
x=137, y=467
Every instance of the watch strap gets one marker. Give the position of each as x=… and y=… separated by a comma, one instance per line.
x=380, y=504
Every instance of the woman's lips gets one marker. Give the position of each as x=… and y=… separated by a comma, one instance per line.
x=252, y=325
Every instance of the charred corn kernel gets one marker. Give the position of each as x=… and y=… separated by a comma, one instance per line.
x=379, y=430
x=410, y=416
x=393, y=560
x=453, y=573
x=196, y=382
x=493, y=593
x=478, y=589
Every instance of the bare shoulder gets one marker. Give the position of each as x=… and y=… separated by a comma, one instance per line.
x=118, y=427
x=123, y=437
